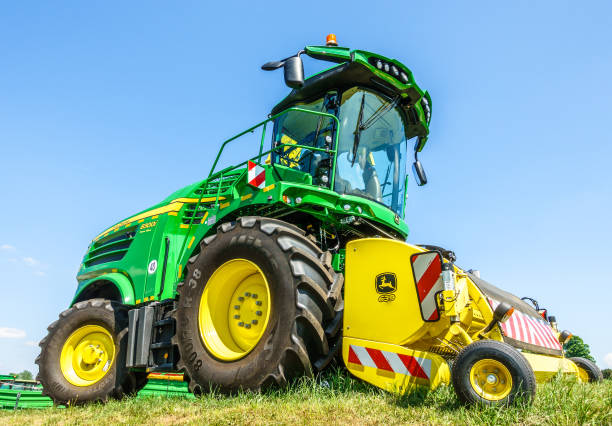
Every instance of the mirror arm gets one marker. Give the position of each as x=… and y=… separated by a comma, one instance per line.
x=274, y=65
x=297, y=54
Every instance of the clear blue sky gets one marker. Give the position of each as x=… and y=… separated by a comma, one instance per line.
x=108, y=107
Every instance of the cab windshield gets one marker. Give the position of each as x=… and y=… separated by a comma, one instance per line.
x=371, y=149
x=371, y=160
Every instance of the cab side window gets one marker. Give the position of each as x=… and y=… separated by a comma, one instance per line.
x=295, y=132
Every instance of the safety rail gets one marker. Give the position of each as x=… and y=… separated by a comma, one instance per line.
x=261, y=153
x=220, y=174
x=263, y=135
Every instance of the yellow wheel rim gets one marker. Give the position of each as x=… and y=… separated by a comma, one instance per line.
x=583, y=375
x=87, y=355
x=234, y=309
x=491, y=379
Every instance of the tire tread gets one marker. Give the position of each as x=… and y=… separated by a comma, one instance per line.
x=317, y=287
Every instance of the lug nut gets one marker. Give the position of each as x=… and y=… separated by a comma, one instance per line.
x=258, y=313
x=247, y=294
x=247, y=325
x=254, y=296
x=236, y=306
x=241, y=299
x=236, y=316
x=258, y=303
x=254, y=322
x=240, y=324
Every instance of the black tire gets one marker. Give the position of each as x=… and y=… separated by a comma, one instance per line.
x=523, y=379
x=595, y=374
x=116, y=383
x=302, y=335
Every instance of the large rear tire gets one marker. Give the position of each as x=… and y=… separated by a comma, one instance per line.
x=82, y=359
x=260, y=305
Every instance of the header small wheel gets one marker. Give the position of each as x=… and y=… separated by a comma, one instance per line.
x=587, y=370
x=492, y=373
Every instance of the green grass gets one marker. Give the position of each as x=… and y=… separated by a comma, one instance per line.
x=337, y=398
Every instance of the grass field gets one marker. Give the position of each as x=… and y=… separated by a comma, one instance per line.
x=335, y=398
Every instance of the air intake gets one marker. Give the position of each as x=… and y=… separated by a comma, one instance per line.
x=110, y=249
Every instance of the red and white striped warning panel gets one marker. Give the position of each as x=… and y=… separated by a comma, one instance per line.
x=528, y=329
x=390, y=361
x=427, y=268
x=256, y=175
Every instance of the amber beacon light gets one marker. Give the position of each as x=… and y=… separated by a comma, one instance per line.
x=331, y=40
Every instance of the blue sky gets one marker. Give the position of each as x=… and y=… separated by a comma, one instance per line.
x=108, y=107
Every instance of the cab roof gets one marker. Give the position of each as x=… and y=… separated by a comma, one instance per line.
x=367, y=70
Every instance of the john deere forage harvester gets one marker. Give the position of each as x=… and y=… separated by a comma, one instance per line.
x=268, y=269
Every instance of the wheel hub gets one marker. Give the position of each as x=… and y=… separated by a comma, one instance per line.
x=87, y=355
x=234, y=309
x=92, y=355
x=491, y=379
x=246, y=311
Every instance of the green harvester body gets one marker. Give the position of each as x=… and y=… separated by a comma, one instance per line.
x=238, y=280
x=142, y=259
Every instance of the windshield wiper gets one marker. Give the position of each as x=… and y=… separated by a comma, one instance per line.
x=382, y=110
x=357, y=131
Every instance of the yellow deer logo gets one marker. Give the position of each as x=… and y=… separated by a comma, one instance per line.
x=386, y=283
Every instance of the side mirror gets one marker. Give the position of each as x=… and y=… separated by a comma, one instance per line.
x=272, y=65
x=419, y=173
x=294, y=72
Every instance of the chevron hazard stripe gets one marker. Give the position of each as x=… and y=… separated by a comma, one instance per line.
x=390, y=361
x=428, y=281
x=256, y=175
x=528, y=329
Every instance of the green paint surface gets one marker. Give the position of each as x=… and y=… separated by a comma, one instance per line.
x=145, y=259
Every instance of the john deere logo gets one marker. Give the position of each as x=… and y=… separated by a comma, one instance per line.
x=386, y=283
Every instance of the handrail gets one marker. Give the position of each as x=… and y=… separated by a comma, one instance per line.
x=324, y=114
x=224, y=173
x=220, y=173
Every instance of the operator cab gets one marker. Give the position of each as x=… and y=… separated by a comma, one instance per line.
x=382, y=120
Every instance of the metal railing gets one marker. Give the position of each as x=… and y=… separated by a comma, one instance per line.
x=263, y=135
x=220, y=174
